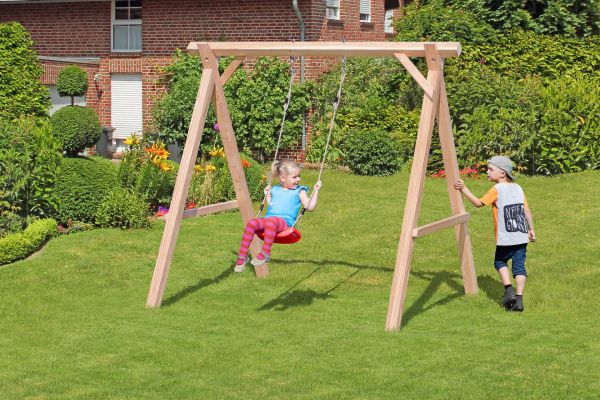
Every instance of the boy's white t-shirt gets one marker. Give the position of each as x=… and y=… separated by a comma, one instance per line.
x=508, y=204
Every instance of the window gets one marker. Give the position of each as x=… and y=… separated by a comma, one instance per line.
x=365, y=10
x=127, y=25
x=333, y=9
x=389, y=21
x=57, y=101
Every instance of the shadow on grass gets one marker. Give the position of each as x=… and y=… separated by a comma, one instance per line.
x=493, y=288
x=436, y=279
x=294, y=297
x=202, y=283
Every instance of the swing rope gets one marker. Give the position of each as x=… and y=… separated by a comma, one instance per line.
x=336, y=103
x=292, y=235
x=286, y=106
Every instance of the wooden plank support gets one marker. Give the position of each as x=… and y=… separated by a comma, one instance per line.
x=441, y=224
x=232, y=154
x=182, y=186
x=416, y=74
x=414, y=195
x=331, y=49
x=231, y=68
x=206, y=210
x=463, y=238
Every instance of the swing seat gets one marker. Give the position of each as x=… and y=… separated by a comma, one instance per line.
x=287, y=236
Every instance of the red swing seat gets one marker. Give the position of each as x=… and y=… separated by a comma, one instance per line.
x=286, y=236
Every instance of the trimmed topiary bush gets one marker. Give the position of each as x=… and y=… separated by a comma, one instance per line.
x=72, y=81
x=82, y=185
x=21, y=90
x=20, y=245
x=372, y=152
x=77, y=127
x=123, y=209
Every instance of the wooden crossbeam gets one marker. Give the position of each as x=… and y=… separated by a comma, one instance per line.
x=349, y=49
x=206, y=210
x=441, y=224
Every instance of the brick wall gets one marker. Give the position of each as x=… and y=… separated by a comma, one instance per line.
x=64, y=29
x=83, y=29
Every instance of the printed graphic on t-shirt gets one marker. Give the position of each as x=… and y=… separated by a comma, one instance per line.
x=514, y=218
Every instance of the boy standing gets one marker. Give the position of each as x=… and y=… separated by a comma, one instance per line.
x=513, y=225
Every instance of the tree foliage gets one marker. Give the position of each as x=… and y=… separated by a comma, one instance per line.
x=21, y=91
x=255, y=100
x=72, y=81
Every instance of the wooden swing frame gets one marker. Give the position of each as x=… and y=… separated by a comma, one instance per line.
x=435, y=107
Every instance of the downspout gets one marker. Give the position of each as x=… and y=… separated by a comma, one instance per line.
x=302, y=30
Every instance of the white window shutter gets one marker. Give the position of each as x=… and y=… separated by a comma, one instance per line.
x=126, y=104
x=365, y=6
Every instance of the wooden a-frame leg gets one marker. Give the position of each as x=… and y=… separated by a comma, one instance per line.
x=415, y=191
x=232, y=154
x=463, y=239
x=180, y=192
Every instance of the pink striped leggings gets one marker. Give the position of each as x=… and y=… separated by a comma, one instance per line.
x=271, y=226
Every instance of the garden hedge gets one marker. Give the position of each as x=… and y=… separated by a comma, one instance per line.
x=20, y=245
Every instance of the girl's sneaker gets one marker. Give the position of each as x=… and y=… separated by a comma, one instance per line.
x=257, y=262
x=242, y=266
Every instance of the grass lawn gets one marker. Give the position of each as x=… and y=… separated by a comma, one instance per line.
x=73, y=322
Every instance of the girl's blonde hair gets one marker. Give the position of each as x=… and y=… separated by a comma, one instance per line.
x=283, y=167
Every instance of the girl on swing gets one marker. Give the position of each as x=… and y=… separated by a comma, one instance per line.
x=284, y=202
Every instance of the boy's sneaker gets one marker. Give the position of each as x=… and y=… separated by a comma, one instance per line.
x=242, y=266
x=509, y=298
x=518, y=306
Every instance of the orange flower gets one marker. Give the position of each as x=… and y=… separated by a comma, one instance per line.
x=246, y=163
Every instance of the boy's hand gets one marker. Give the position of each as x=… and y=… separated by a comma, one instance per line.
x=532, y=235
x=318, y=185
x=459, y=185
x=267, y=190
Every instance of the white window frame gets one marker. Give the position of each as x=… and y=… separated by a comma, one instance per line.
x=389, y=21
x=123, y=22
x=365, y=11
x=332, y=8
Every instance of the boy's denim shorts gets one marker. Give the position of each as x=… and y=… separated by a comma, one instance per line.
x=517, y=253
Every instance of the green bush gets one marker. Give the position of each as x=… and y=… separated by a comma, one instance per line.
x=82, y=185
x=17, y=246
x=10, y=223
x=372, y=152
x=568, y=138
x=518, y=55
x=123, y=209
x=77, y=127
x=72, y=81
x=556, y=17
x=434, y=22
x=21, y=90
x=30, y=157
x=374, y=95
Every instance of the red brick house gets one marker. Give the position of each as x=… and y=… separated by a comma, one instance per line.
x=122, y=44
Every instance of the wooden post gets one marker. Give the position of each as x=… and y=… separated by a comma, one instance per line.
x=232, y=153
x=412, y=207
x=180, y=192
x=463, y=239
